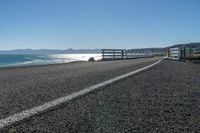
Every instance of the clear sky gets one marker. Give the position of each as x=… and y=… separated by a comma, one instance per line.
x=62, y=24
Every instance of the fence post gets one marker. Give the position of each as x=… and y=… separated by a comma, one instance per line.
x=103, y=53
x=122, y=52
x=113, y=54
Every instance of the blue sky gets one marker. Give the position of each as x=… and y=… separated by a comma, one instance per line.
x=62, y=24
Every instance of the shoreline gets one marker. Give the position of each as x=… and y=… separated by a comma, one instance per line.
x=29, y=60
x=40, y=65
x=70, y=62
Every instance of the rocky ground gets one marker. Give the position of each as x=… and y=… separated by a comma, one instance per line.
x=165, y=98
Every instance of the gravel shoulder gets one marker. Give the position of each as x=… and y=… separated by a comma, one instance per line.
x=26, y=87
x=163, y=99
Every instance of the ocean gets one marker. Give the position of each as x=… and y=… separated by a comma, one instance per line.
x=10, y=60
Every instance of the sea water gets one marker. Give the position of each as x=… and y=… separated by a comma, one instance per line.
x=10, y=60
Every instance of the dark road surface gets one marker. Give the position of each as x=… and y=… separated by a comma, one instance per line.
x=165, y=98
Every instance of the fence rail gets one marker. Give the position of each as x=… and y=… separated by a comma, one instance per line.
x=120, y=54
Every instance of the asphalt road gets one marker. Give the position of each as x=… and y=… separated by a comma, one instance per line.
x=162, y=99
x=27, y=87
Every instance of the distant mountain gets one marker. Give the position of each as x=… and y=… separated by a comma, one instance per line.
x=188, y=45
x=195, y=45
x=67, y=51
x=91, y=51
x=155, y=50
x=49, y=51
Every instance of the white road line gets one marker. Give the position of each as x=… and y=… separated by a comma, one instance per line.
x=41, y=108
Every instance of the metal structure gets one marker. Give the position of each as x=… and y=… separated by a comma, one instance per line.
x=120, y=54
x=174, y=53
x=177, y=53
x=135, y=53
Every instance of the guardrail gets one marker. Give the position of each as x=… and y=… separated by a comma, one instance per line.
x=121, y=54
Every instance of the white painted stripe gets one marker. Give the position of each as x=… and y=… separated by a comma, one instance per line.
x=35, y=110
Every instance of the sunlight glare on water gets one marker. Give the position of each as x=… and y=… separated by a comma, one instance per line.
x=75, y=57
x=26, y=60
